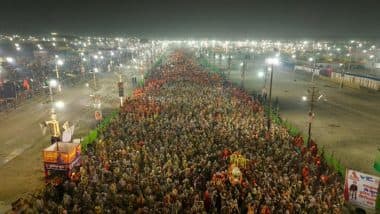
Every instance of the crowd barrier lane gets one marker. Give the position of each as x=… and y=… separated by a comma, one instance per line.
x=94, y=134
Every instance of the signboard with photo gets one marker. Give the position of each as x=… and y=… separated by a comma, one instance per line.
x=361, y=189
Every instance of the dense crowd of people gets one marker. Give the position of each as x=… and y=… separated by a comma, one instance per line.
x=189, y=142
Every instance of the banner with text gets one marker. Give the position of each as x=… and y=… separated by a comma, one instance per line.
x=361, y=189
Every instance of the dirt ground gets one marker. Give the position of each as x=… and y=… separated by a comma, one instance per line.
x=346, y=120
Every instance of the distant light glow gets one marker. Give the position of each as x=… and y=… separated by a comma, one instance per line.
x=304, y=98
x=272, y=61
x=53, y=83
x=59, y=104
x=59, y=62
x=260, y=74
x=10, y=60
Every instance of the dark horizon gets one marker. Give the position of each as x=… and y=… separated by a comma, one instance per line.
x=194, y=19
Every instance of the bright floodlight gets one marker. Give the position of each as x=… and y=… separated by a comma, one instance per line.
x=53, y=83
x=60, y=104
x=59, y=62
x=96, y=70
x=95, y=56
x=260, y=74
x=87, y=85
x=112, y=53
x=272, y=61
x=304, y=98
x=294, y=56
x=10, y=59
x=311, y=59
x=371, y=56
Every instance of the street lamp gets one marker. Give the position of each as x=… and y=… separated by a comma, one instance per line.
x=58, y=63
x=313, y=91
x=271, y=62
x=59, y=104
x=10, y=60
x=372, y=57
x=18, y=48
x=96, y=70
x=311, y=60
x=52, y=84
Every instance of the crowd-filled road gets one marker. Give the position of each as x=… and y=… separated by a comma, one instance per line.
x=346, y=122
x=22, y=141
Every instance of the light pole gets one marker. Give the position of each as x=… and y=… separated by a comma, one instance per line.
x=313, y=91
x=58, y=63
x=96, y=70
x=53, y=124
x=372, y=57
x=52, y=84
x=121, y=90
x=242, y=74
x=271, y=62
x=311, y=60
x=341, y=75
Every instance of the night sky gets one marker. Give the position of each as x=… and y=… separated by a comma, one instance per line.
x=225, y=19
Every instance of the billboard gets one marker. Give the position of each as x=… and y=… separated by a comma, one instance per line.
x=361, y=189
